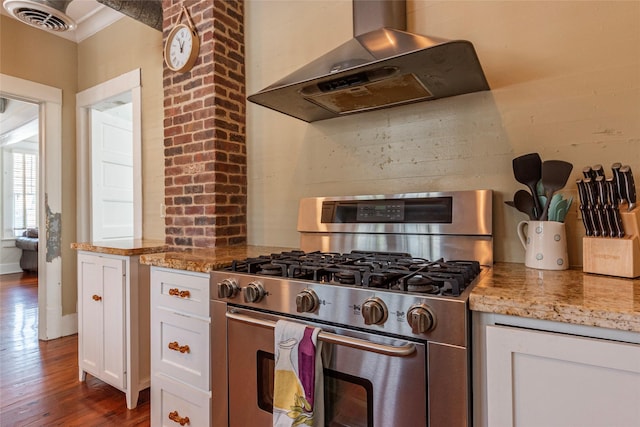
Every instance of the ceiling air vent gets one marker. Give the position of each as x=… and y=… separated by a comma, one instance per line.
x=46, y=14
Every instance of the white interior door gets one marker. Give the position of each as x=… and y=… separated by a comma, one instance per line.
x=112, y=174
x=103, y=216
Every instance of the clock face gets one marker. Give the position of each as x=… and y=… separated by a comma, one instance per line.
x=182, y=48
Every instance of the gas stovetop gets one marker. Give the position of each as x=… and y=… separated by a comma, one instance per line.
x=402, y=265
x=380, y=270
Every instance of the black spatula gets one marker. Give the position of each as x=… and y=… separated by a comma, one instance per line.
x=524, y=203
x=555, y=174
x=527, y=170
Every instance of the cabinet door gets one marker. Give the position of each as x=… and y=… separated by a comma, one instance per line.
x=101, y=328
x=90, y=311
x=113, y=280
x=549, y=379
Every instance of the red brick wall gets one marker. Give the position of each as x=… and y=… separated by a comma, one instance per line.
x=204, y=130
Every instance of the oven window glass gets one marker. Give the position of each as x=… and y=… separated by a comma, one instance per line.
x=348, y=400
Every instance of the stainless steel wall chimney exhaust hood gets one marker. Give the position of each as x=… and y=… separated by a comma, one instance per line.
x=381, y=67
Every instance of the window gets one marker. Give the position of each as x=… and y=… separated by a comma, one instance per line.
x=19, y=191
x=25, y=196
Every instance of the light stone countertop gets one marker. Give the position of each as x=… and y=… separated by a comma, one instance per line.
x=124, y=247
x=206, y=260
x=569, y=296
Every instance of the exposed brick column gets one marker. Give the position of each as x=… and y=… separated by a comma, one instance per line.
x=204, y=130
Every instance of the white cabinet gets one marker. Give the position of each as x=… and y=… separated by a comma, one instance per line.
x=113, y=322
x=552, y=378
x=180, y=348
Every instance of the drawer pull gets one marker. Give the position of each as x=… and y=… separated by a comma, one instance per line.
x=97, y=298
x=174, y=416
x=178, y=293
x=177, y=347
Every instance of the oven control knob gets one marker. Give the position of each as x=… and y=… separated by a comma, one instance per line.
x=421, y=319
x=374, y=311
x=254, y=292
x=307, y=301
x=228, y=288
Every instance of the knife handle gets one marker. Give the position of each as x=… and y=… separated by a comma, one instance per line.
x=601, y=200
x=588, y=218
x=601, y=205
x=597, y=170
x=617, y=176
x=614, y=211
x=587, y=172
x=629, y=186
x=596, y=217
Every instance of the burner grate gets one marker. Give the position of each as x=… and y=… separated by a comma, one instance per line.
x=381, y=270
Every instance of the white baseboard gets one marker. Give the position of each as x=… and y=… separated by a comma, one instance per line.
x=10, y=268
x=69, y=324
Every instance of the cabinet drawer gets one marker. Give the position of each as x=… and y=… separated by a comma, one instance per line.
x=172, y=402
x=180, y=291
x=180, y=347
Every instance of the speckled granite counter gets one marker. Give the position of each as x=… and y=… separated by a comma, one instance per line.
x=125, y=247
x=206, y=260
x=569, y=296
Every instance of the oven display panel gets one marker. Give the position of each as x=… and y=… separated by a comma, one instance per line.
x=433, y=210
x=380, y=212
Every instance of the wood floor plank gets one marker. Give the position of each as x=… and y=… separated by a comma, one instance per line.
x=39, y=383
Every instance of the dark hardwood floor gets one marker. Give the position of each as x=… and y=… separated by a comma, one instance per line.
x=39, y=383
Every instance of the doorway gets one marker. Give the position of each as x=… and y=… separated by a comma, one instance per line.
x=19, y=146
x=51, y=323
x=109, y=160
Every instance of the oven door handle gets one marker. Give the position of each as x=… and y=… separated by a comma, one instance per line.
x=328, y=337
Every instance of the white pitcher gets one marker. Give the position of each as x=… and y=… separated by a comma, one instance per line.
x=545, y=244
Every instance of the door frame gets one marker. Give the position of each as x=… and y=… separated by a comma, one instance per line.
x=49, y=100
x=130, y=81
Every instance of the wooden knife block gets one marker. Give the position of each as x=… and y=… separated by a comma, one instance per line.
x=615, y=256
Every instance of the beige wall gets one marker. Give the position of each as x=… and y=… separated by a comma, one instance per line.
x=35, y=55
x=118, y=49
x=565, y=80
x=38, y=56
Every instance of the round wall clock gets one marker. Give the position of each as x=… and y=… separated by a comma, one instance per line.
x=182, y=46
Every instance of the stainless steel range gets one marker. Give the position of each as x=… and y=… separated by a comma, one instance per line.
x=387, y=278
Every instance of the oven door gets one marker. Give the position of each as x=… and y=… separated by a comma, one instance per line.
x=370, y=381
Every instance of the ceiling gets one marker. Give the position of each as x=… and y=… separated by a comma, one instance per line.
x=89, y=15
x=18, y=124
x=19, y=119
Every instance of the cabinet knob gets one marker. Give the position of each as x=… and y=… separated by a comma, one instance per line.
x=97, y=298
x=178, y=293
x=175, y=417
x=177, y=347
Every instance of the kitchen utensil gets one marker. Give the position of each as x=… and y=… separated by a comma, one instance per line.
x=587, y=172
x=560, y=210
x=598, y=170
x=615, y=211
x=617, y=176
x=602, y=204
x=553, y=207
x=584, y=210
x=527, y=170
x=590, y=191
x=555, y=174
x=629, y=187
x=523, y=201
